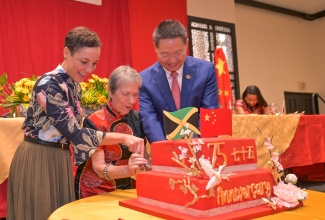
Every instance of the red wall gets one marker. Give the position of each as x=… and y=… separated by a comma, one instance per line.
x=32, y=32
x=145, y=15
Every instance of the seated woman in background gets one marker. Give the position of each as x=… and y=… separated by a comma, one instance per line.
x=97, y=175
x=252, y=102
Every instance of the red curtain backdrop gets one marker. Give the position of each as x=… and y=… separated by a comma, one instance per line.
x=32, y=32
x=145, y=15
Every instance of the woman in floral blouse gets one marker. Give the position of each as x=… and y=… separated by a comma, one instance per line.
x=40, y=177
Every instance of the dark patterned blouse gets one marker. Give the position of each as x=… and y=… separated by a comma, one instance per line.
x=54, y=115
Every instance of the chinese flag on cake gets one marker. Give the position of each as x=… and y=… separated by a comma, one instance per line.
x=176, y=121
x=215, y=122
x=223, y=77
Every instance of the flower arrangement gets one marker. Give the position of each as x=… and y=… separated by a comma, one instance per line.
x=12, y=96
x=95, y=92
x=287, y=194
x=17, y=94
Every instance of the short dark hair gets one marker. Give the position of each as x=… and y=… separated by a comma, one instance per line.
x=169, y=29
x=80, y=37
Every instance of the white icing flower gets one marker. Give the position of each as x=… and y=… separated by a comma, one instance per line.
x=288, y=195
x=268, y=143
x=183, y=152
x=197, y=145
x=291, y=178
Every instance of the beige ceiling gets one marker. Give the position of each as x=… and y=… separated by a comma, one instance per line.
x=305, y=6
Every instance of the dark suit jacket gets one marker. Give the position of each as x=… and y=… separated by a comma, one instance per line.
x=199, y=89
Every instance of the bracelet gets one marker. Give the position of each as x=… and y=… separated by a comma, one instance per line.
x=105, y=172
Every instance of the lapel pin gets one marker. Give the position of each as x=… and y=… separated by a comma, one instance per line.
x=188, y=77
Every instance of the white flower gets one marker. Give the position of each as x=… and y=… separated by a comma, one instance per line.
x=185, y=132
x=192, y=160
x=268, y=143
x=183, y=152
x=197, y=145
x=291, y=178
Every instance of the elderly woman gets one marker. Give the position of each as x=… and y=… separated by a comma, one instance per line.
x=252, y=102
x=97, y=175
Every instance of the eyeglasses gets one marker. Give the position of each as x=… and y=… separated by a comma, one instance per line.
x=167, y=56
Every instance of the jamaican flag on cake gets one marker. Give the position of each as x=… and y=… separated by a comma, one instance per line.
x=176, y=121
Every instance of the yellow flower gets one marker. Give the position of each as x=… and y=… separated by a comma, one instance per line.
x=13, y=95
x=95, y=92
x=95, y=77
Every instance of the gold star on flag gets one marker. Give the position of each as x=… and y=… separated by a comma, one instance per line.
x=226, y=93
x=206, y=117
x=220, y=92
x=220, y=67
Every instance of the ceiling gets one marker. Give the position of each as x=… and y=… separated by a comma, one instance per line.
x=306, y=9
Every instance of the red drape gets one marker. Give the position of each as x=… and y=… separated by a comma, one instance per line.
x=32, y=34
x=145, y=15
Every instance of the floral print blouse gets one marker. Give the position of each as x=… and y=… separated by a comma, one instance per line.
x=54, y=114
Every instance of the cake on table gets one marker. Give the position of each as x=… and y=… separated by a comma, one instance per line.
x=212, y=177
x=209, y=177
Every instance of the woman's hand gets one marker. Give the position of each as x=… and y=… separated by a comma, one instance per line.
x=135, y=161
x=135, y=144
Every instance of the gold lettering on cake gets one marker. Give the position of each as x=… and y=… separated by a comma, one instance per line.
x=216, y=151
x=243, y=152
x=250, y=154
x=237, y=194
x=245, y=191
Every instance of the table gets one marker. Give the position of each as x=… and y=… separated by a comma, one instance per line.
x=10, y=135
x=300, y=139
x=106, y=206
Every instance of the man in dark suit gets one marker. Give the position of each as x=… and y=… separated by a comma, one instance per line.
x=196, y=80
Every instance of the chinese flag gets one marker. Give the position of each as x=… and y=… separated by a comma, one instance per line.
x=215, y=122
x=225, y=92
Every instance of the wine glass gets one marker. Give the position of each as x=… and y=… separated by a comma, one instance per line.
x=275, y=108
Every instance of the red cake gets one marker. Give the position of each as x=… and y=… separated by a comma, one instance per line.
x=168, y=186
x=205, y=178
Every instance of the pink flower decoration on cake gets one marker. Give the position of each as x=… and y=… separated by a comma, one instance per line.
x=288, y=195
x=183, y=152
x=198, y=145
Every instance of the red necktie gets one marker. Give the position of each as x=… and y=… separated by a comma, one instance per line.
x=175, y=90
